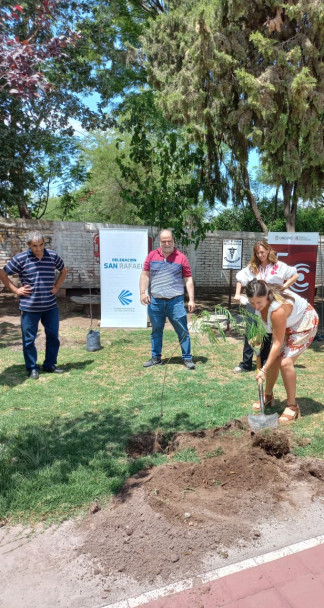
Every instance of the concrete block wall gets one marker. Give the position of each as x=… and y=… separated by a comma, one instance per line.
x=207, y=261
x=73, y=241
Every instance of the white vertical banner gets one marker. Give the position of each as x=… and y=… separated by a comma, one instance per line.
x=122, y=255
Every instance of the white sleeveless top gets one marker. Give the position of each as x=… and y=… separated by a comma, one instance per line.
x=297, y=313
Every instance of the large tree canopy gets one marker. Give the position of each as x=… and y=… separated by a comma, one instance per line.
x=38, y=98
x=247, y=73
x=194, y=86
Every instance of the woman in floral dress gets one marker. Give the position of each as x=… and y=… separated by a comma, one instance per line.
x=263, y=265
x=293, y=323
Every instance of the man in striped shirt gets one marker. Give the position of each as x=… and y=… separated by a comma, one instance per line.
x=166, y=272
x=36, y=270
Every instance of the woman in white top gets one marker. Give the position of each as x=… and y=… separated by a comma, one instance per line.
x=263, y=265
x=293, y=323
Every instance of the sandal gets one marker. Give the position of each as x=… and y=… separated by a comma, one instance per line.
x=290, y=414
x=268, y=402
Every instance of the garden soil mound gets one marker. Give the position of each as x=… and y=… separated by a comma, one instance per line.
x=224, y=495
x=183, y=518
x=241, y=495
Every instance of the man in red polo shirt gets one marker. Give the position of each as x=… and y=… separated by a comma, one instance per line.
x=166, y=272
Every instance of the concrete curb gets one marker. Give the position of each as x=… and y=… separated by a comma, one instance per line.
x=212, y=575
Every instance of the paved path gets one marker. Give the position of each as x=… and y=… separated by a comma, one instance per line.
x=292, y=577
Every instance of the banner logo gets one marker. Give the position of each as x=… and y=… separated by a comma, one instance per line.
x=299, y=286
x=124, y=297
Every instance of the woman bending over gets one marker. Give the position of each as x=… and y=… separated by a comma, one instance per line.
x=293, y=323
x=263, y=265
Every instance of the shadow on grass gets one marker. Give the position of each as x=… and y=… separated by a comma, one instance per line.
x=17, y=374
x=53, y=453
x=307, y=407
x=179, y=360
x=42, y=461
x=13, y=375
x=181, y=422
x=10, y=335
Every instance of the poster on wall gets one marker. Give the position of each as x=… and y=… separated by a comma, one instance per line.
x=298, y=249
x=232, y=254
x=122, y=254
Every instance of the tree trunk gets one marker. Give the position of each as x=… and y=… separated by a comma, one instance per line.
x=290, y=204
x=23, y=211
x=19, y=192
x=251, y=199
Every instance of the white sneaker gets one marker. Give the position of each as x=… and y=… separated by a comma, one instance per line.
x=238, y=370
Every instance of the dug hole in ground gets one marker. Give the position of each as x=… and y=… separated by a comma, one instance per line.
x=247, y=496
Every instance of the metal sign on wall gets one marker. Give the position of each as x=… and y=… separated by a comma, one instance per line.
x=298, y=249
x=122, y=254
x=232, y=254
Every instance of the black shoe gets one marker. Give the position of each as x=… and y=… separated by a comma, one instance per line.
x=34, y=374
x=53, y=369
x=153, y=361
x=189, y=364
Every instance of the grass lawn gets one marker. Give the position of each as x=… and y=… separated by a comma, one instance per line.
x=63, y=438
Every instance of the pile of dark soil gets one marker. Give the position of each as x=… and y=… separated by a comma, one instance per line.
x=167, y=521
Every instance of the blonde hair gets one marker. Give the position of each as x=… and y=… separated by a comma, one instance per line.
x=258, y=289
x=255, y=262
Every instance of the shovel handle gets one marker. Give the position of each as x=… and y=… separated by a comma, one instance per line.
x=260, y=385
x=260, y=381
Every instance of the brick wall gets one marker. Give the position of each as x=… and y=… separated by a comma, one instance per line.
x=73, y=241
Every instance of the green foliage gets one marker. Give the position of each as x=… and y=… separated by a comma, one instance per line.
x=163, y=176
x=247, y=76
x=100, y=198
x=36, y=139
x=309, y=218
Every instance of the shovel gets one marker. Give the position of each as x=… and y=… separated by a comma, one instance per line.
x=262, y=421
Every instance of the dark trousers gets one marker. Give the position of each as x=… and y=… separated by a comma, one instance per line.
x=246, y=362
x=29, y=328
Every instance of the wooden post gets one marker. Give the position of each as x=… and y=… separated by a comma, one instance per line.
x=230, y=297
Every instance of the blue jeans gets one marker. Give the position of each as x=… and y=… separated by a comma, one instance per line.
x=29, y=328
x=159, y=309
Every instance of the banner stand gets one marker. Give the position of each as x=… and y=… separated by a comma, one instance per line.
x=122, y=254
x=298, y=249
x=320, y=336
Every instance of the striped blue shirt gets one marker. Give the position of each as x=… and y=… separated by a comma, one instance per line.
x=167, y=274
x=39, y=275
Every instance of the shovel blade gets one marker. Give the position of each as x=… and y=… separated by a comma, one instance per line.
x=257, y=423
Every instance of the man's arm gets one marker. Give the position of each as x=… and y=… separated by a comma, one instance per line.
x=188, y=281
x=144, y=284
x=60, y=280
x=24, y=290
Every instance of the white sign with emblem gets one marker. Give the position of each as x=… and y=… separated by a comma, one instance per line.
x=232, y=254
x=122, y=255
